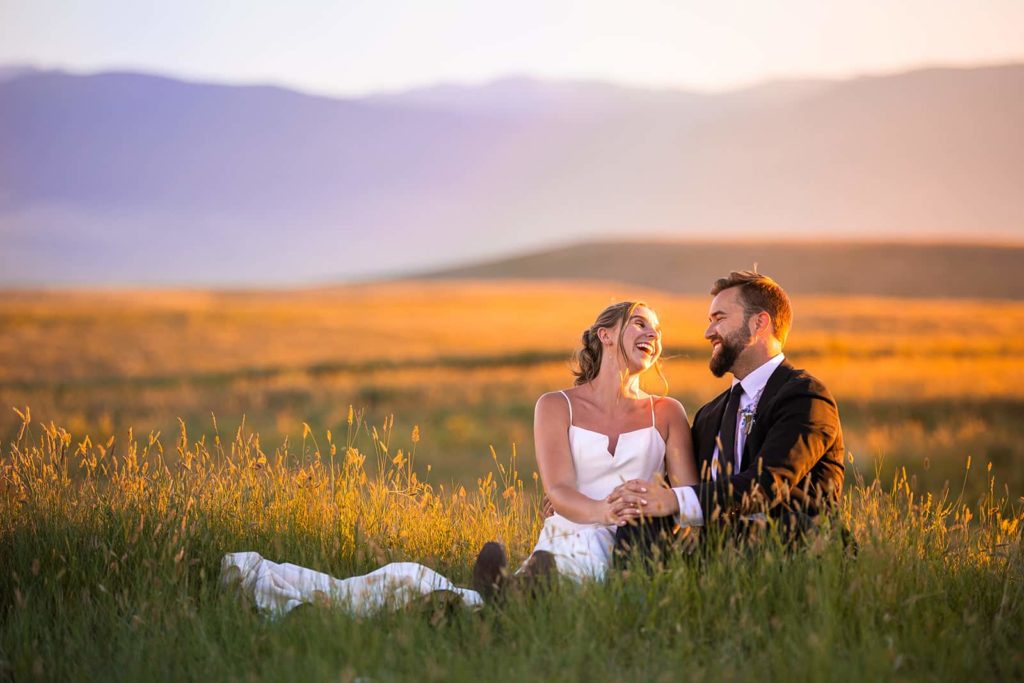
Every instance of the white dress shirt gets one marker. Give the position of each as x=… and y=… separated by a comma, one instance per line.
x=690, y=513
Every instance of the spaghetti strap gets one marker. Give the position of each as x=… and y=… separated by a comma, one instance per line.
x=653, y=423
x=570, y=405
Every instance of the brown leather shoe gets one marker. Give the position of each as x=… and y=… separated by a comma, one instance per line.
x=539, y=573
x=490, y=570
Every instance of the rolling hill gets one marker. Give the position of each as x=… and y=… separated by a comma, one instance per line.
x=838, y=268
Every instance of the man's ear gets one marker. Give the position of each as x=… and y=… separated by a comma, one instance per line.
x=762, y=321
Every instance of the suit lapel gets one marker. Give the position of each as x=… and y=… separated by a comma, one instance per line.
x=778, y=378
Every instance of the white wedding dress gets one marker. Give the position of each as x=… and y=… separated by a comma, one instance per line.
x=581, y=551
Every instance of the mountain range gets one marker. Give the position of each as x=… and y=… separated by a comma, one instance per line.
x=128, y=178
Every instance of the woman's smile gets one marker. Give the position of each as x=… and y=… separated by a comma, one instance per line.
x=647, y=347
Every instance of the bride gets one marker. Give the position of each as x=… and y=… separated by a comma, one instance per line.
x=589, y=439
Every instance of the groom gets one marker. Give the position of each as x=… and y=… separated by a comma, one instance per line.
x=771, y=443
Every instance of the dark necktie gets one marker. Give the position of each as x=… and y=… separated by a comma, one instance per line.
x=727, y=434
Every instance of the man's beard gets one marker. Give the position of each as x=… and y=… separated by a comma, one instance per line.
x=730, y=349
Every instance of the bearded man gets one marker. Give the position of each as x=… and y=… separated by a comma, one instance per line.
x=772, y=443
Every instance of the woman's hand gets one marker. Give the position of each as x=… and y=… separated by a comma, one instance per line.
x=612, y=513
x=619, y=512
x=651, y=498
x=546, y=507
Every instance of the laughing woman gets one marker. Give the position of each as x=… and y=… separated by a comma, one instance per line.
x=604, y=431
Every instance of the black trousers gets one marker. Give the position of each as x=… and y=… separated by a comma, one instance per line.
x=653, y=539
x=649, y=541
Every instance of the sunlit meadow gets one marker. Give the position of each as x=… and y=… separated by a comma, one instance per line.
x=920, y=383
x=111, y=555
x=369, y=419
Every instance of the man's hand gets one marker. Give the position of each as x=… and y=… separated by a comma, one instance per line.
x=546, y=506
x=651, y=498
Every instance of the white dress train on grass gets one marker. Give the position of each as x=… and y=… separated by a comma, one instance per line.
x=276, y=589
x=581, y=551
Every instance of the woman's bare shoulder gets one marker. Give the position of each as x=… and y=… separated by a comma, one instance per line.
x=553, y=403
x=669, y=408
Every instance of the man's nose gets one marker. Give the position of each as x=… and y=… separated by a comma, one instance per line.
x=709, y=332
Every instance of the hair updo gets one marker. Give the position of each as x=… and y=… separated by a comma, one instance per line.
x=587, y=360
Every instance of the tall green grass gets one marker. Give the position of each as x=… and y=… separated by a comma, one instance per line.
x=109, y=555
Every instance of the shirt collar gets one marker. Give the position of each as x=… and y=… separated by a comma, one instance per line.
x=754, y=383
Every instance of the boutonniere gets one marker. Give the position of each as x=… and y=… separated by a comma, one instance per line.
x=747, y=417
x=749, y=414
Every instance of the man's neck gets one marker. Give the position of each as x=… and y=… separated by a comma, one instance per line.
x=754, y=357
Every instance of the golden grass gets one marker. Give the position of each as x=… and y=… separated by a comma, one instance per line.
x=112, y=541
x=99, y=362
x=111, y=556
x=81, y=335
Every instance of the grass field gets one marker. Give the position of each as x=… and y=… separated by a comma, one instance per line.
x=921, y=383
x=110, y=561
x=114, y=514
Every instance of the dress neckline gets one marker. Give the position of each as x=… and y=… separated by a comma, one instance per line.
x=607, y=437
x=608, y=440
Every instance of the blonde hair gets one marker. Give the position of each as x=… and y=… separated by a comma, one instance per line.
x=587, y=359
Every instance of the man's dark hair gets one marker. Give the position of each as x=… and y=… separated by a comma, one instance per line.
x=760, y=293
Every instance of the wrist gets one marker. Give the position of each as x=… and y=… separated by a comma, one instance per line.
x=671, y=502
x=598, y=512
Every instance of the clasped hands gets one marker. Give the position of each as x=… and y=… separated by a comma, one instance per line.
x=631, y=500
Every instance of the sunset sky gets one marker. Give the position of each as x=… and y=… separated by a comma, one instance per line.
x=350, y=48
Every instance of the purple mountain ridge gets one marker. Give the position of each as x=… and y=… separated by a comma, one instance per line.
x=123, y=178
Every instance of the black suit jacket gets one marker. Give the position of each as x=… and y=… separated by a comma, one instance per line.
x=793, y=454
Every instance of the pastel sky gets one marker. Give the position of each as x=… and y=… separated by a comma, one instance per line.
x=360, y=46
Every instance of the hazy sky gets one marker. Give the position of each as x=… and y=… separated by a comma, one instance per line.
x=358, y=46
